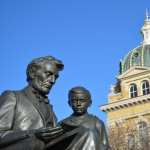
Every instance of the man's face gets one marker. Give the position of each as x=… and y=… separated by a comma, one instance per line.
x=44, y=78
x=79, y=103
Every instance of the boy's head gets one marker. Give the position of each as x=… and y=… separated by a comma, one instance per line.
x=79, y=100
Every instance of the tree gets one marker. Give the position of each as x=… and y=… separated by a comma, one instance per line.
x=129, y=137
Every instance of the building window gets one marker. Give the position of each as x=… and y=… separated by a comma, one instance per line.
x=142, y=125
x=131, y=142
x=136, y=59
x=133, y=91
x=145, y=87
x=143, y=134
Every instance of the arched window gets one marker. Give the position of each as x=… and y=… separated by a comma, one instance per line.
x=145, y=87
x=133, y=91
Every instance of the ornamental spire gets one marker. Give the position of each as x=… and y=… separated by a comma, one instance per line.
x=147, y=15
x=146, y=29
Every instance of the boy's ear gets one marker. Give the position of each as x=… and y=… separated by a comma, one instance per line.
x=90, y=103
x=69, y=103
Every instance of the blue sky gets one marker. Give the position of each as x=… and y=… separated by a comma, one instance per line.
x=89, y=36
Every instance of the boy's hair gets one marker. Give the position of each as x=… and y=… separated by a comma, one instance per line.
x=78, y=90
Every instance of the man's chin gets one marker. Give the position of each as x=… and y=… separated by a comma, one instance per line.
x=45, y=91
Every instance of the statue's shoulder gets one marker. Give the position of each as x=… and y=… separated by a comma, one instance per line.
x=96, y=119
x=7, y=99
x=93, y=117
x=7, y=94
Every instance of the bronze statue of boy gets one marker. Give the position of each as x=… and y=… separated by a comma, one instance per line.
x=82, y=131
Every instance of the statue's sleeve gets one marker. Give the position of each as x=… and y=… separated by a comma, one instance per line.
x=9, y=138
x=103, y=134
x=7, y=111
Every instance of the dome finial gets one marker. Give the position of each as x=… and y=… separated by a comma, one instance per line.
x=146, y=29
x=147, y=15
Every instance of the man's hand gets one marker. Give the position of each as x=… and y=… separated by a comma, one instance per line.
x=46, y=134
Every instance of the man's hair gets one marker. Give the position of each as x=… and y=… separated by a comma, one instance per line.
x=37, y=62
x=78, y=90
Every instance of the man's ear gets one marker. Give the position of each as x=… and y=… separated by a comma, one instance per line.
x=32, y=71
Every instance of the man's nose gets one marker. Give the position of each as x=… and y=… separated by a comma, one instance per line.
x=52, y=79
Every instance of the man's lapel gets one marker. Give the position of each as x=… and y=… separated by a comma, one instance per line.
x=28, y=93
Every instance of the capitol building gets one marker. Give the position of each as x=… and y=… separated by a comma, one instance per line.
x=129, y=99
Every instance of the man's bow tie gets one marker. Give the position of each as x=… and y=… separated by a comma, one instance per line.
x=42, y=98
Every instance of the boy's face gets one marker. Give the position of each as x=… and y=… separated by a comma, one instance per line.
x=79, y=103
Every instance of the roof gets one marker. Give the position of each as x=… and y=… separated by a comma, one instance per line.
x=139, y=56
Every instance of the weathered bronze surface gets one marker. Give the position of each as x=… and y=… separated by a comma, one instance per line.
x=28, y=122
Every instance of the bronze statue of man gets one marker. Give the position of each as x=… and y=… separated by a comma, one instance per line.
x=27, y=120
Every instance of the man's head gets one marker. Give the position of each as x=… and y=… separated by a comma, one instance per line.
x=42, y=73
x=79, y=100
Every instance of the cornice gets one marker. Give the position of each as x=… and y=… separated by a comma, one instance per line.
x=126, y=75
x=125, y=103
x=135, y=115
